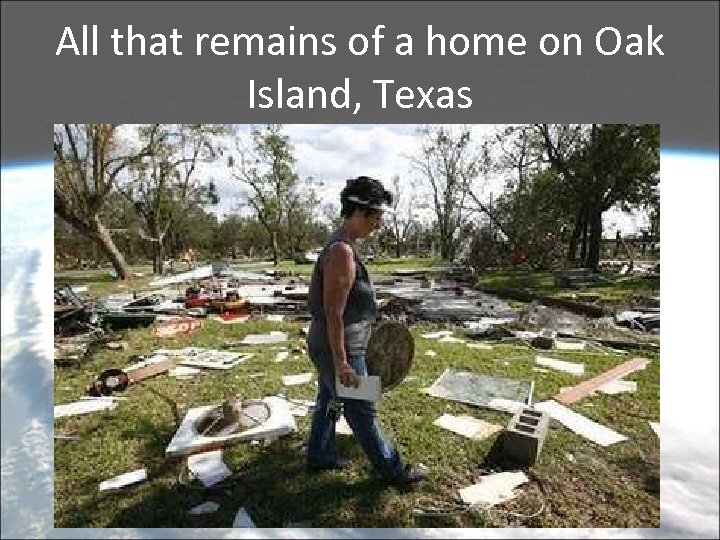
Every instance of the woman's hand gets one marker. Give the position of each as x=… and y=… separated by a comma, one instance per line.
x=346, y=374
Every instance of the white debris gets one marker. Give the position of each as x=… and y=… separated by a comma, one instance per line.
x=570, y=345
x=293, y=380
x=580, y=424
x=481, y=346
x=493, y=489
x=265, y=339
x=541, y=370
x=655, y=426
x=430, y=353
x=184, y=372
x=275, y=318
x=342, y=427
x=123, y=480
x=281, y=356
x=618, y=386
x=83, y=407
x=561, y=365
x=467, y=426
x=208, y=467
x=451, y=339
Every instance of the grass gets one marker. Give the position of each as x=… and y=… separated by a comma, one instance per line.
x=617, y=486
x=543, y=282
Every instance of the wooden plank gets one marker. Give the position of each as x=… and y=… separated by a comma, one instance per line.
x=571, y=395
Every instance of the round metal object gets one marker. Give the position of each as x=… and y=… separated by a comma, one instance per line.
x=390, y=353
x=109, y=381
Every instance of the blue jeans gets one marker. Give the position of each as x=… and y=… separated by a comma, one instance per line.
x=361, y=416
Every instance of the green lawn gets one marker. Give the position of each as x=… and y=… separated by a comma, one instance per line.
x=543, y=282
x=580, y=483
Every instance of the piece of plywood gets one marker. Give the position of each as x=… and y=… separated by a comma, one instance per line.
x=588, y=387
x=123, y=480
x=83, y=407
x=580, y=424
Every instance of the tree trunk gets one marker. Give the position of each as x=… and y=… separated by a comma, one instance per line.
x=103, y=239
x=584, y=247
x=573, y=244
x=397, y=249
x=275, y=248
x=595, y=240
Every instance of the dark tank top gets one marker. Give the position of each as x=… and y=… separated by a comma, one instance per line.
x=360, y=308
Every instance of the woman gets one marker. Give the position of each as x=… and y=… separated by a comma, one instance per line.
x=342, y=304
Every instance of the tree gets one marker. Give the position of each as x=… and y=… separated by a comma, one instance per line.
x=88, y=158
x=267, y=168
x=163, y=186
x=601, y=166
x=450, y=165
x=401, y=221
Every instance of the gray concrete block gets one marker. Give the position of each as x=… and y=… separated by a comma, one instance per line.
x=524, y=436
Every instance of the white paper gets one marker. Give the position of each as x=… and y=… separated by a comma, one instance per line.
x=208, y=467
x=183, y=371
x=342, y=427
x=242, y=519
x=281, y=356
x=83, y=407
x=467, y=426
x=369, y=389
x=570, y=345
x=561, y=365
x=124, y=480
x=493, y=488
x=580, y=424
x=293, y=380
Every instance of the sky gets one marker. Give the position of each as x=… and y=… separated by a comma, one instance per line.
x=332, y=153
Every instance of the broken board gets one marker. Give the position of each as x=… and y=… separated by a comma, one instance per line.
x=477, y=389
x=580, y=424
x=588, y=387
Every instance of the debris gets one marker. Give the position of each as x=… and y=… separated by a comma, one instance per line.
x=275, y=317
x=117, y=345
x=544, y=340
x=436, y=335
x=481, y=346
x=342, y=427
x=281, y=356
x=451, y=339
x=566, y=345
x=175, y=327
x=430, y=353
x=588, y=387
x=524, y=436
x=207, y=507
x=83, y=407
x=580, y=424
x=208, y=467
x=300, y=407
x=211, y=358
x=467, y=426
x=541, y=370
x=242, y=519
x=183, y=372
x=561, y=365
x=265, y=339
x=493, y=488
x=476, y=389
x=368, y=390
x=231, y=318
x=569, y=457
x=275, y=423
x=198, y=273
x=293, y=380
x=618, y=386
x=123, y=480
x=655, y=426
x=506, y=405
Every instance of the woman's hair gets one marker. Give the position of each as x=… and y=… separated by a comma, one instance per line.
x=363, y=188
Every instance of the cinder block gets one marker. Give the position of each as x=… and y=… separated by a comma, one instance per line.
x=524, y=436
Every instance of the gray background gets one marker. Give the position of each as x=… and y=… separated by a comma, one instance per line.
x=678, y=90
